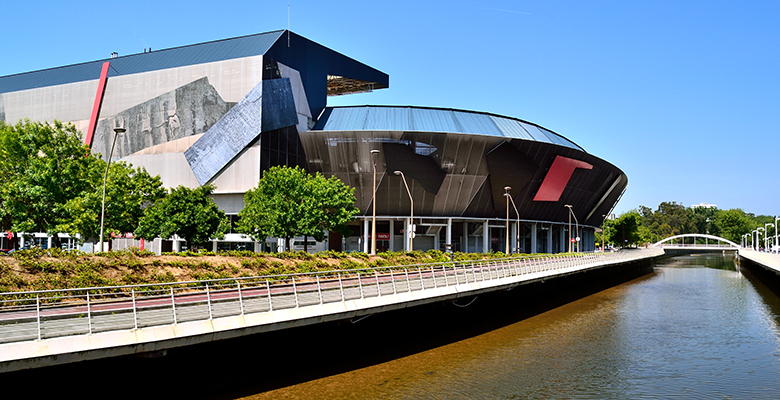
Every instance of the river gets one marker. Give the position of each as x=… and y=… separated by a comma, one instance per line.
x=694, y=328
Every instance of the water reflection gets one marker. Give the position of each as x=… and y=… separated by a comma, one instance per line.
x=694, y=329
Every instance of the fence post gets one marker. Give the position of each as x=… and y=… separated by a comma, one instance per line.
x=433, y=275
x=240, y=297
x=208, y=300
x=341, y=288
x=319, y=288
x=360, y=285
x=38, y=312
x=422, y=281
x=295, y=293
x=392, y=279
x=408, y=282
x=135, y=312
x=378, y=290
x=268, y=289
x=173, y=305
x=89, y=313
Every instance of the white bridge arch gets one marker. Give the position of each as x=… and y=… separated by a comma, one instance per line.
x=678, y=241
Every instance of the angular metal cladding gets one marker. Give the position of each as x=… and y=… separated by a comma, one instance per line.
x=268, y=106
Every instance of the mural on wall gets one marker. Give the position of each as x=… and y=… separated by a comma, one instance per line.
x=188, y=110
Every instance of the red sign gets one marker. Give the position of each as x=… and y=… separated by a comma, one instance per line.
x=9, y=235
x=382, y=236
x=573, y=240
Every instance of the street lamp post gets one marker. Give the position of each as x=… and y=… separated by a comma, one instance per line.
x=373, y=203
x=758, y=238
x=117, y=132
x=517, y=222
x=576, y=228
x=766, y=235
x=506, y=233
x=777, y=237
x=568, y=206
x=409, y=231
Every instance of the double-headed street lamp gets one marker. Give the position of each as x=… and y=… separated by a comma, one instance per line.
x=410, y=228
x=117, y=131
x=517, y=222
x=777, y=237
x=373, y=203
x=766, y=235
x=757, y=242
x=576, y=225
x=506, y=220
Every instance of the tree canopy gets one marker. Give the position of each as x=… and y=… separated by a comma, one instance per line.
x=189, y=213
x=289, y=202
x=671, y=218
x=128, y=192
x=44, y=166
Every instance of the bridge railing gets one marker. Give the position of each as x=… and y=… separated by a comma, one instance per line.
x=38, y=315
x=707, y=245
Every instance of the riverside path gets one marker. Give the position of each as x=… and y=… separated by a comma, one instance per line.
x=60, y=326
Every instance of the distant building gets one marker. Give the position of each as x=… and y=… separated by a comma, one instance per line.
x=222, y=112
x=704, y=205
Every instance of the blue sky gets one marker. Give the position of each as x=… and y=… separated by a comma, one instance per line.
x=684, y=96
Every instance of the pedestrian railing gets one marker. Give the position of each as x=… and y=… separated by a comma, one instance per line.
x=699, y=245
x=38, y=315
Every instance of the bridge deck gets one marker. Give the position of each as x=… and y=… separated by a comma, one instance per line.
x=36, y=331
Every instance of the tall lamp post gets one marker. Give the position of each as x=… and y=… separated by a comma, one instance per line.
x=517, y=222
x=410, y=228
x=576, y=227
x=757, y=243
x=766, y=235
x=777, y=237
x=506, y=220
x=117, y=132
x=373, y=203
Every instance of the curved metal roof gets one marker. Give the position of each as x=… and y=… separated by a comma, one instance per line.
x=428, y=119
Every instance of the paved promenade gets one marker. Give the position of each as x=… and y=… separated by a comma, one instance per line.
x=54, y=327
x=770, y=261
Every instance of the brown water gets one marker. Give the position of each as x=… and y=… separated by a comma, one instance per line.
x=696, y=328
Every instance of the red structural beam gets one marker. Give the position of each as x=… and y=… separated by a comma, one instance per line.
x=101, y=89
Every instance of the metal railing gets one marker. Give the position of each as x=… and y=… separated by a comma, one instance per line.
x=38, y=315
x=700, y=245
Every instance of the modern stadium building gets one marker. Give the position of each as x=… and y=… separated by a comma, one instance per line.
x=222, y=112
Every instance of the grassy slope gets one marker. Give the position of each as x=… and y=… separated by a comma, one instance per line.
x=55, y=269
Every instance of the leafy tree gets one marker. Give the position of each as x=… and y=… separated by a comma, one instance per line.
x=624, y=230
x=44, y=166
x=732, y=224
x=188, y=213
x=128, y=192
x=288, y=202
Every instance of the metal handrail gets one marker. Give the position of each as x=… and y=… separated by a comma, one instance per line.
x=35, y=319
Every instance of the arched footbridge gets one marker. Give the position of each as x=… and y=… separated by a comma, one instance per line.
x=696, y=241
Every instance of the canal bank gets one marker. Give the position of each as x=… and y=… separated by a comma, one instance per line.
x=765, y=266
x=281, y=359
x=694, y=328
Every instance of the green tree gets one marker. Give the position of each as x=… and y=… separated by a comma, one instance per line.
x=288, y=202
x=624, y=231
x=189, y=213
x=732, y=224
x=128, y=192
x=44, y=166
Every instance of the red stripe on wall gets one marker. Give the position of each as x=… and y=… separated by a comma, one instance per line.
x=101, y=89
x=558, y=177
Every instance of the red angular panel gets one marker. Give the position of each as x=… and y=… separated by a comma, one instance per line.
x=558, y=177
